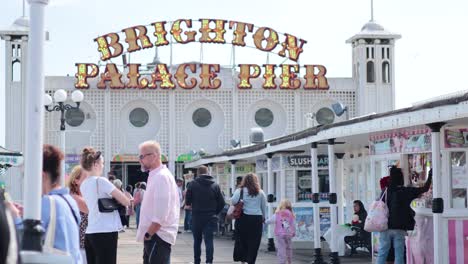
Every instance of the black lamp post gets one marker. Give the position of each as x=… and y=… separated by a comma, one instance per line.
x=60, y=96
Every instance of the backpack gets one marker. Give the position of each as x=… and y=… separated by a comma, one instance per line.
x=377, y=217
x=284, y=223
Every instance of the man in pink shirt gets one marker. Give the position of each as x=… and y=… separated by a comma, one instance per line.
x=159, y=213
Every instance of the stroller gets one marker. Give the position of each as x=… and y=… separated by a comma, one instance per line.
x=223, y=224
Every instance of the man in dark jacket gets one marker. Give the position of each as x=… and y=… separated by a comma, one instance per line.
x=204, y=195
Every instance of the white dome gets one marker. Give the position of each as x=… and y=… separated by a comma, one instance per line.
x=373, y=30
x=372, y=26
x=21, y=22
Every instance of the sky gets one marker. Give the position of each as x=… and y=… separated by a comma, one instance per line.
x=430, y=58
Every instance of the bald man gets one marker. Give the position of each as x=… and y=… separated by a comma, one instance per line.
x=159, y=213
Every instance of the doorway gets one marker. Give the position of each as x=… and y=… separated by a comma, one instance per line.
x=134, y=174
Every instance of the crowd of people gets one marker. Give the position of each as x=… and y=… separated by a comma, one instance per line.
x=83, y=219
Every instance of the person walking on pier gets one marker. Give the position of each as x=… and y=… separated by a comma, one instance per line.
x=251, y=221
x=206, y=200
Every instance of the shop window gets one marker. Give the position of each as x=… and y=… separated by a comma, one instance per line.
x=370, y=72
x=324, y=184
x=16, y=71
x=419, y=166
x=290, y=186
x=139, y=117
x=304, y=185
x=201, y=117
x=264, y=117
x=74, y=117
x=386, y=72
x=459, y=180
x=276, y=186
x=261, y=179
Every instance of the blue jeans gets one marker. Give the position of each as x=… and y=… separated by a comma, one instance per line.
x=203, y=227
x=137, y=214
x=385, y=239
x=188, y=220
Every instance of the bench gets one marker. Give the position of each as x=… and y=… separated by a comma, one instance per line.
x=362, y=239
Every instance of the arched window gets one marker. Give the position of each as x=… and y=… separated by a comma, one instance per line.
x=16, y=71
x=370, y=72
x=386, y=72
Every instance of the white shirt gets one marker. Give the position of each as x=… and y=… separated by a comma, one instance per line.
x=99, y=222
x=161, y=205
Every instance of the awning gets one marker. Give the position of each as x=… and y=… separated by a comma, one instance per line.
x=185, y=157
x=132, y=158
x=10, y=158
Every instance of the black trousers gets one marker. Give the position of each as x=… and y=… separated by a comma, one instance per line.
x=156, y=251
x=124, y=220
x=250, y=236
x=101, y=248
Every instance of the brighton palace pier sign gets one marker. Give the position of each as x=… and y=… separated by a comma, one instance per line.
x=210, y=31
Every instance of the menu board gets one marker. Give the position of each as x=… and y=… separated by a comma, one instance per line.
x=456, y=138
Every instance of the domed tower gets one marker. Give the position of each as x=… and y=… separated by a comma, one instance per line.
x=16, y=48
x=373, y=68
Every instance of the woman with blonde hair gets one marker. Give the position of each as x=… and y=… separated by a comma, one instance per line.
x=285, y=230
x=76, y=177
x=251, y=221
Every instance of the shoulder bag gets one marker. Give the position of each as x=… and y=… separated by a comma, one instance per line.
x=50, y=234
x=235, y=211
x=106, y=205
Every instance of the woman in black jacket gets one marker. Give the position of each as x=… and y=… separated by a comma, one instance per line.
x=401, y=216
x=359, y=218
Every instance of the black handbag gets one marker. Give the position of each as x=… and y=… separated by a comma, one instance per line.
x=106, y=205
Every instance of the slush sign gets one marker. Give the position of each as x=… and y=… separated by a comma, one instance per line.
x=304, y=161
x=209, y=31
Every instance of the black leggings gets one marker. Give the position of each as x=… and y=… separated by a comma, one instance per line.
x=250, y=236
x=101, y=248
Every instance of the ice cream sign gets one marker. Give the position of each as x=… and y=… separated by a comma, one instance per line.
x=205, y=76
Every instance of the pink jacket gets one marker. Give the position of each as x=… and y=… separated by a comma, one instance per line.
x=284, y=223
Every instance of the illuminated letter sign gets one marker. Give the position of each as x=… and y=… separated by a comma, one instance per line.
x=205, y=76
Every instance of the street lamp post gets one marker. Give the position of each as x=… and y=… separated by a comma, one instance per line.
x=33, y=231
x=60, y=96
